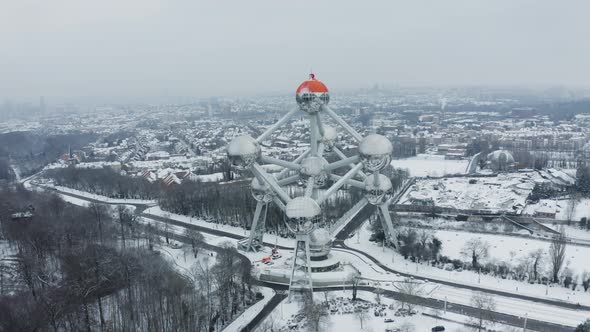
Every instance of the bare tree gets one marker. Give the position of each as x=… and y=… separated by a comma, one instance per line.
x=571, y=208
x=485, y=305
x=537, y=258
x=476, y=249
x=195, y=238
x=409, y=289
x=316, y=313
x=362, y=317
x=557, y=253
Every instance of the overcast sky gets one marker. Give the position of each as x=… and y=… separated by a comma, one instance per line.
x=136, y=48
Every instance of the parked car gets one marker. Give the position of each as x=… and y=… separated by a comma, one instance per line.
x=388, y=320
x=438, y=328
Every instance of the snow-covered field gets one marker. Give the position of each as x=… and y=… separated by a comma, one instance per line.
x=395, y=261
x=510, y=248
x=431, y=165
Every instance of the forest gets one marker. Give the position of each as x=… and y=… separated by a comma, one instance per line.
x=69, y=268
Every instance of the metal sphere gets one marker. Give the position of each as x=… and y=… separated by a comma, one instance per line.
x=377, y=193
x=314, y=167
x=311, y=95
x=261, y=191
x=302, y=214
x=329, y=138
x=320, y=243
x=375, y=151
x=243, y=151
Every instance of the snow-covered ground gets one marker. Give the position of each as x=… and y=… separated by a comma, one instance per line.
x=103, y=198
x=283, y=316
x=251, y=312
x=395, y=261
x=431, y=165
x=510, y=248
x=157, y=211
x=561, y=208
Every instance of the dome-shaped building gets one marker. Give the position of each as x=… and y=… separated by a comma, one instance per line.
x=500, y=161
x=311, y=94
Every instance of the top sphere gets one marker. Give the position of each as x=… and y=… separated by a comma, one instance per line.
x=311, y=95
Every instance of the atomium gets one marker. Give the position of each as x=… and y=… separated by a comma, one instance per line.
x=321, y=179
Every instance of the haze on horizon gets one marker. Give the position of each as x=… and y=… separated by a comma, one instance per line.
x=146, y=48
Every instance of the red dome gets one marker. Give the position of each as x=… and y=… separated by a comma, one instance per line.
x=312, y=85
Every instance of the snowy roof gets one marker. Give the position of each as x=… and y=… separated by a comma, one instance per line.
x=302, y=207
x=375, y=145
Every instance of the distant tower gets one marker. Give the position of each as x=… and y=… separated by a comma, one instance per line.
x=443, y=107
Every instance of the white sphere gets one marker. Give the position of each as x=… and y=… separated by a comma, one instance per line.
x=329, y=138
x=320, y=243
x=375, y=151
x=377, y=193
x=302, y=213
x=243, y=151
x=314, y=167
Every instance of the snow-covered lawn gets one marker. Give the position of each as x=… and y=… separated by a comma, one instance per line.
x=431, y=165
x=395, y=261
x=510, y=248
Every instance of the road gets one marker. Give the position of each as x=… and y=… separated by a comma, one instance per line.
x=350, y=229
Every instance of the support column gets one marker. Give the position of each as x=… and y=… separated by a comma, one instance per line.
x=300, y=281
x=254, y=242
x=390, y=233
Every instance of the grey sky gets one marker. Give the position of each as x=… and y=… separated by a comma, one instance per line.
x=114, y=48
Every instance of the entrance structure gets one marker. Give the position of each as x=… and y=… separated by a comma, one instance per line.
x=304, y=213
